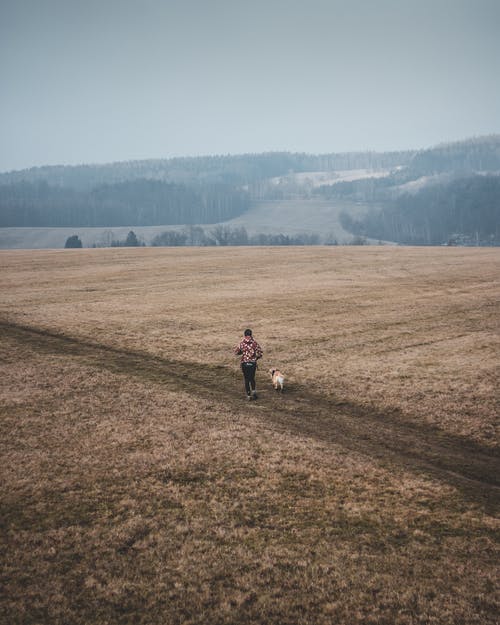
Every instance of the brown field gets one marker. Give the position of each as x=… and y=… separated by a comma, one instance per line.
x=138, y=487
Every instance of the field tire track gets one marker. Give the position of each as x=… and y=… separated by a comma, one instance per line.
x=469, y=466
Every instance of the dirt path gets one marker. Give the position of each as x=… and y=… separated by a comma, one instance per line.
x=473, y=468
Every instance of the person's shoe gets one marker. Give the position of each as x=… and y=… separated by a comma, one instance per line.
x=249, y=397
x=254, y=394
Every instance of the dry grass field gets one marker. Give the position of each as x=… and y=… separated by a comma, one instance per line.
x=138, y=487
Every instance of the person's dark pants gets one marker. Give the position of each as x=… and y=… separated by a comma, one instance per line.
x=249, y=369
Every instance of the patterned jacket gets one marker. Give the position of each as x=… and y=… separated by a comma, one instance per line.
x=249, y=350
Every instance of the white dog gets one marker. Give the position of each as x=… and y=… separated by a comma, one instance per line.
x=278, y=379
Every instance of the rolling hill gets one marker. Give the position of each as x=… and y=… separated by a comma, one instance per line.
x=405, y=197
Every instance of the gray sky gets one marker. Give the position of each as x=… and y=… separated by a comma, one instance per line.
x=93, y=81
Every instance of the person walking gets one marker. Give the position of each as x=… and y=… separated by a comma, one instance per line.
x=250, y=351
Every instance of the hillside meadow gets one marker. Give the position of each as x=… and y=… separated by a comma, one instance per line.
x=139, y=487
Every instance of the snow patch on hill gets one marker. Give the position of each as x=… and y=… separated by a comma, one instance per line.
x=315, y=179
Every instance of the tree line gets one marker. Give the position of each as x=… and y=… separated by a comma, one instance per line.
x=138, y=202
x=238, y=170
x=472, y=155
x=477, y=154
x=466, y=210
x=444, y=163
x=219, y=235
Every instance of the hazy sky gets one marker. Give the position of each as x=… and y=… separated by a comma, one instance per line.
x=93, y=81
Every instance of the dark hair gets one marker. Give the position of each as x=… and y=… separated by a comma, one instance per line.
x=248, y=332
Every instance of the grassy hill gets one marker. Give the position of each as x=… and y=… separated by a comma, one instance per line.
x=311, y=216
